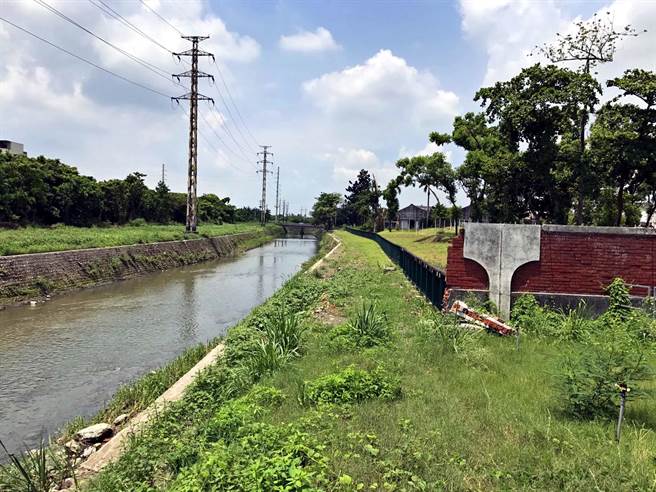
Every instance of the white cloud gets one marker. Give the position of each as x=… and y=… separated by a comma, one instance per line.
x=347, y=163
x=510, y=29
x=309, y=42
x=61, y=107
x=385, y=89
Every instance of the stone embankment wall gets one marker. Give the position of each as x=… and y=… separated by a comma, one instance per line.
x=28, y=276
x=574, y=263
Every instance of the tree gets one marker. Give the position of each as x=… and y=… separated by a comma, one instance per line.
x=623, y=140
x=360, y=199
x=430, y=172
x=213, y=209
x=536, y=111
x=391, y=197
x=486, y=173
x=324, y=211
x=592, y=44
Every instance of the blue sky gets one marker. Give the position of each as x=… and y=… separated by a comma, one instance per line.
x=332, y=86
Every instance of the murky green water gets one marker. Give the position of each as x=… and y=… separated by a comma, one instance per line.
x=68, y=356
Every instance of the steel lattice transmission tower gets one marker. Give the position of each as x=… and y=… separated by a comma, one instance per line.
x=265, y=153
x=193, y=97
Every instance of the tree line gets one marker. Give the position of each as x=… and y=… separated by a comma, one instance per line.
x=543, y=148
x=42, y=191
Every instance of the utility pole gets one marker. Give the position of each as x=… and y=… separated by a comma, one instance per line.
x=277, y=191
x=264, y=172
x=163, y=173
x=193, y=97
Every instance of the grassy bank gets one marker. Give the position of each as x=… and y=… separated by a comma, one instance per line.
x=318, y=391
x=41, y=239
x=429, y=244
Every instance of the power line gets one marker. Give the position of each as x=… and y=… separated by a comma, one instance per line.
x=210, y=144
x=235, y=104
x=109, y=11
x=224, y=143
x=225, y=128
x=95, y=65
x=223, y=81
x=149, y=66
x=161, y=18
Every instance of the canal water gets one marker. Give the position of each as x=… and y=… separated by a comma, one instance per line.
x=68, y=356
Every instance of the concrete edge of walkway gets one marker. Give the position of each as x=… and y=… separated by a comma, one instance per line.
x=328, y=255
x=113, y=449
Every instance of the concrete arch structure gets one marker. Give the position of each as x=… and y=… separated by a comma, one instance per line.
x=501, y=249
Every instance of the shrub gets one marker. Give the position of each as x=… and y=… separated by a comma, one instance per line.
x=139, y=222
x=350, y=386
x=590, y=381
x=281, y=342
x=615, y=354
x=369, y=327
x=286, y=331
x=619, y=301
x=533, y=319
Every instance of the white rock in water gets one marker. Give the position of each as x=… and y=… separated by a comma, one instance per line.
x=94, y=433
x=120, y=419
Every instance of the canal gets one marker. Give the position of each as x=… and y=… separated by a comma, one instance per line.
x=68, y=356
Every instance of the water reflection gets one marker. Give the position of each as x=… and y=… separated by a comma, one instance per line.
x=68, y=356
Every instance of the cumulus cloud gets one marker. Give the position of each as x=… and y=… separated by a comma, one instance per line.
x=510, y=29
x=383, y=86
x=309, y=42
x=61, y=107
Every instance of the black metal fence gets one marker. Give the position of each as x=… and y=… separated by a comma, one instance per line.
x=431, y=281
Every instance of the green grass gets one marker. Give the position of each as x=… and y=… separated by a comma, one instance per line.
x=61, y=238
x=429, y=244
x=413, y=414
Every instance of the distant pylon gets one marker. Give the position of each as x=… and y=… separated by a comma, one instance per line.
x=263, y=206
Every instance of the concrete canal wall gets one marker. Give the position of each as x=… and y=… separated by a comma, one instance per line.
x=30, y=276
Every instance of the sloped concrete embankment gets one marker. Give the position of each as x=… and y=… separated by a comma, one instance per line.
x=32, y=276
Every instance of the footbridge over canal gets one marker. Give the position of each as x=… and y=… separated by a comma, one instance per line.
x=301, y=230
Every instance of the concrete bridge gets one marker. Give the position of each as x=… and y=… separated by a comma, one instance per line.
x=302, y=230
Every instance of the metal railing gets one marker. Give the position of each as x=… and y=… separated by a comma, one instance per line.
x=431, y=281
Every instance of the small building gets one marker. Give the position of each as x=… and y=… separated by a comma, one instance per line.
x=9, y=147
x=412, y=217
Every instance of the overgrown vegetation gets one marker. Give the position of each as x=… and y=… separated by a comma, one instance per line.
x=448, y=418
x=607, y=353
x=61, y=238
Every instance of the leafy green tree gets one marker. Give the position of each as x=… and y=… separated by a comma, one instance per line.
x=593, y=43
x=324, y=211
x=430, y=173
x=361, y=199
x=215, y=210
x=623, y=141
x=391, y=197
x=535, y=111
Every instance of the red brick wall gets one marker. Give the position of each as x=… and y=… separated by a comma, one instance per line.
x=570, y=263
x=461, y=272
